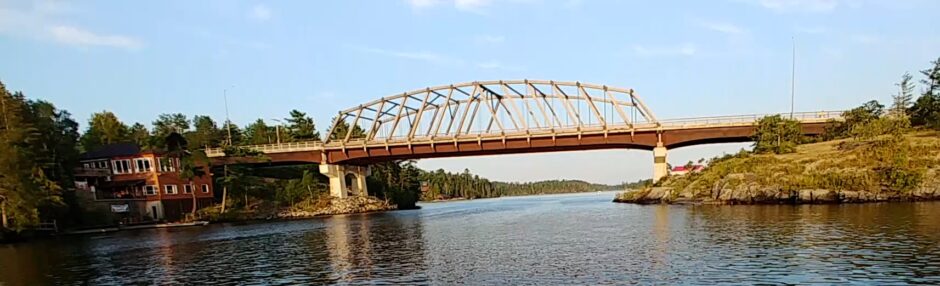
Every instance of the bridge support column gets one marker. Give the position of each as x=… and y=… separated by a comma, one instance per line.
x=346, y=180
x=660, y=167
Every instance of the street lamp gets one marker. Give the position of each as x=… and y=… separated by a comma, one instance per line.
x=277, y=129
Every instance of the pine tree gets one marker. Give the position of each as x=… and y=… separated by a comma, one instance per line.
x=902, y=99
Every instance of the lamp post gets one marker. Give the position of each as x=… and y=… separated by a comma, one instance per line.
x=277, y=129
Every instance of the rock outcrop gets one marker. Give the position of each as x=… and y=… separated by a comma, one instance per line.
x=745, y=189
x=354, y=204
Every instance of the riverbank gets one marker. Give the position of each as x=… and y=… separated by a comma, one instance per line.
x=315, y=207
x=839, y=171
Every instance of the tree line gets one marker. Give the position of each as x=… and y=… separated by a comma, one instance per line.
x=441, y=184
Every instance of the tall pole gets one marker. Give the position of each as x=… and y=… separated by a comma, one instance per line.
x=277, y=129
x=793, y=78
x=228, y=122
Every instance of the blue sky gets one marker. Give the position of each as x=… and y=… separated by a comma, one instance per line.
x=684, y=58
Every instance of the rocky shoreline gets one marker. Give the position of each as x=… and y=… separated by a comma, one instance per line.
x=355, y=204
x=730, y=190
x=308, y=209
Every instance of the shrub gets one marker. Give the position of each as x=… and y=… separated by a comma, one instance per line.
x=776, y=134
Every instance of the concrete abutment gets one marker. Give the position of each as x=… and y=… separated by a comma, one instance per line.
x=346, y=180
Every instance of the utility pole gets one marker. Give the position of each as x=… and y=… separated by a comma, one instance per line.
x=228, y=122
x=277, y=129
x=793, y=77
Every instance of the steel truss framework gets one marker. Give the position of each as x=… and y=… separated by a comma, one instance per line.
x=493, y=108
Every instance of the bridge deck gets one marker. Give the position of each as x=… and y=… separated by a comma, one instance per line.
x=672, y=133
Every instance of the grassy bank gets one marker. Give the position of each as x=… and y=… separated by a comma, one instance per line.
x=883, y=168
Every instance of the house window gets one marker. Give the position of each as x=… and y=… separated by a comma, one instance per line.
x=168, y=164
x=122, y=166
x=143, y=165
x=101, y=164
x=150, y=190
x=170, y=189
x=205, y=188
x=187, y=189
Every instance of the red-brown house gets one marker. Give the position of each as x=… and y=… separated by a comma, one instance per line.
x=141, y=185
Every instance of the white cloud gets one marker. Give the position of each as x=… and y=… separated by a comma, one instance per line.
x=489, y=39
x=421, y=4
x=497, y=65
x=726, y=28
x=816, y=6
x=686, y=49
x=473, y=6
x=39, y=21
x=260, y=12
x=79, y=37
x=417, y=56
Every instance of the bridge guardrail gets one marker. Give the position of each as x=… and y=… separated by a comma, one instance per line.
x=819, y=116
x=270, y=148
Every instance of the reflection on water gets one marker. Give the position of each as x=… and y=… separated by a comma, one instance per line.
x=532, y=240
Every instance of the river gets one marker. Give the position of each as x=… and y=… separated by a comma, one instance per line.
x=544, y=240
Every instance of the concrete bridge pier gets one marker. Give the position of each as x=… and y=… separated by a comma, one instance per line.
x=660, y=167
x=346, y=180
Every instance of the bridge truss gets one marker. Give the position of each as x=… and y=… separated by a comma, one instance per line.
x=491, y=108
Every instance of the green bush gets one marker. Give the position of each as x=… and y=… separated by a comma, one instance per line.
x=776, y=134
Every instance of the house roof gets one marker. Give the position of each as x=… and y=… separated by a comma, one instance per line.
x=112, y=150
x=683, y=168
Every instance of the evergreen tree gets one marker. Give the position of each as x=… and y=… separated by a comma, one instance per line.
x=169, y=123
x=205, y=134
x=301, y=127
x=139, y=134
x=341, y=128
x=926, y=110
x=259, y=133
x=237, y=137
x=902, y=100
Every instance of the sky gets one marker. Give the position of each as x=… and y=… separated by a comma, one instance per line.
x=684, y=58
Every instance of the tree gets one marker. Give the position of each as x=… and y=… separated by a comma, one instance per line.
x=932, y=78
x=25, y=184
x=103, y=128
x=301, y=127
x=169, y=123
x=902, y=100
x=237, y=176
x=340, y=129
x=776, y=134
x=258, y=133
x=397, y=181
x=926, y=110
x=192, y=163
x=861, y=115
x=205, y=134
x=229, y=128
x=139, y=134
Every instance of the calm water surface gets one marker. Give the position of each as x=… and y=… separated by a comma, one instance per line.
x=545, y=240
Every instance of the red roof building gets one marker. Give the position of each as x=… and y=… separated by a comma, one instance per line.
x=682, y=170
x=140, y=185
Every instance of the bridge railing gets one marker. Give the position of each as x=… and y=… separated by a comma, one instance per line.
x=271, y=148
x=805, y=117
